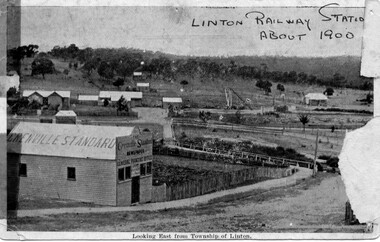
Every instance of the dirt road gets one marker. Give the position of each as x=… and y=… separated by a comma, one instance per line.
x=315, y=205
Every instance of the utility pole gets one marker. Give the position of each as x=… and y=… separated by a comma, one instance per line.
x=315, y=154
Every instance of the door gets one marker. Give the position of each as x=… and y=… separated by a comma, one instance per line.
x=135, y=189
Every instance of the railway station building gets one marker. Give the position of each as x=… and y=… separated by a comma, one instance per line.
x=97, y=164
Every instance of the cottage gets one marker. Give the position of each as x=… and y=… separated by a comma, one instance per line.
x=135, y=98
x=175, y=102
x=98, y=164
x=315, y=99
x=51, y=98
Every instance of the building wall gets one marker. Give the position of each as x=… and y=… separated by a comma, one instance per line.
x=124, y=193
x=66, y=120
x=176, y=105
x=55, y=100
x=47, y=176
x=66, y=103
x=145, y=189
x=36, y=97
x=136, y=103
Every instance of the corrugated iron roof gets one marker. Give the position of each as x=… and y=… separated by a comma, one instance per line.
x=142, y=84
x=171, y=99
x=316, y=96
x=66, y=113
x=66, y=140
x=27, y=93
x=115, y=96
x=88, y=97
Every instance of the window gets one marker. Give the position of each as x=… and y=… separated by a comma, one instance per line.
x=71, y=173
x=149, y=168
x=124, y=173
x=121, y=174
x=127, y=172
x=22, y=170
x=142, y=169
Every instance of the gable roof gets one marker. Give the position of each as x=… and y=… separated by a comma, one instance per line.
x=27, y=93
x=316, y=96
x=66, y=140
x=66, y=113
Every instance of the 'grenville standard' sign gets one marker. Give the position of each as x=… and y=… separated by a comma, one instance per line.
x=51, y=139
x=67, y=140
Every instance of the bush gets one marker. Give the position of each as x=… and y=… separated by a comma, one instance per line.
x=333, y=162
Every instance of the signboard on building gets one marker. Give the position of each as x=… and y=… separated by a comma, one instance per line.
x=137, y=145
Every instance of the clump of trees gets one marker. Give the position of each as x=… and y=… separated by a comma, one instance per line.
x=16, y=55
x=329, y=91
x=121, y=63
x=42, y=66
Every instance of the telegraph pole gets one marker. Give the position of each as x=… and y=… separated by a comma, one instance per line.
x=315, y=154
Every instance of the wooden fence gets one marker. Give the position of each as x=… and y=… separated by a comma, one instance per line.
x=232, y=157
x=223, y=181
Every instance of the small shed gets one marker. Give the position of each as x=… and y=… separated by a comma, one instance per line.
x=143, y=86
x=88, y=99
x=315, y=99
x=66, y=117
x=176, y=102
x=135, y=98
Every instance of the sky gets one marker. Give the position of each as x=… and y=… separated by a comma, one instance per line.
x=179, y=30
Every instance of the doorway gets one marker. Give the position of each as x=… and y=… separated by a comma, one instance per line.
x=135, y=189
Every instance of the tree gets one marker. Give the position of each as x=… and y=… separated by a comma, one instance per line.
x=127, y=66
x=184, y=83
x=72, y=51
x=12, y=92
x=369, y=98
x=121, y=105
x=238, y=117
x=42, y=66
x=106, y=103
x=66, y=72
x=304, y=119
x=329, y=91
x=204, y=116
x=16, y=55
x=280, y=87
x=119, y=82
x=105, y=70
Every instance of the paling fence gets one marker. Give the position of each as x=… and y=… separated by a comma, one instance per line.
x=215, y=183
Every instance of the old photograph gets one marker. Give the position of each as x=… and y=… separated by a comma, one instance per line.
x=183, y=122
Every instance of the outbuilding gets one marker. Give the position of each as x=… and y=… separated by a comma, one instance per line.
x=66, y=117
x=315, y=99
x=98, y=164
x=88, y=99
x=143, y=86
x=175, y=102
x=135, y=98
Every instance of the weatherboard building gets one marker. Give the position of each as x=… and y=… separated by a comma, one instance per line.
x=98, y=164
